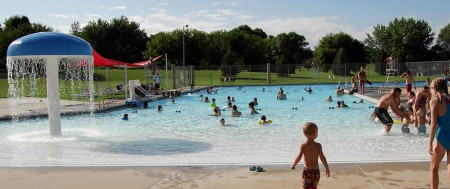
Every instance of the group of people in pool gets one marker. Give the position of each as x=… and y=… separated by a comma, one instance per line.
x=234, y=109
x=436, y=97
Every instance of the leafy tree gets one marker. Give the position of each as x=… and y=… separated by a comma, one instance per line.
x=215, y=49
x=290, y=50
x=230, y=64
x=443, y=43
x=329, y=46
x=248, y=30
x=16, y=27
x=405, y=39
x=165, y=42
x=249, y=45
x=338, y=67
x=118, y=39
x=75, y=29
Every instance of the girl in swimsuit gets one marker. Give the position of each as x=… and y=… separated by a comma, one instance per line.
x=439, y=129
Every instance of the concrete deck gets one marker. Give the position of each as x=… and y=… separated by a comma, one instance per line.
x=37, y=107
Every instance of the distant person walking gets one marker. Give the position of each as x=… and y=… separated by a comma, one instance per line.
x=409, y=80
x=157, y=79
x=439, y=129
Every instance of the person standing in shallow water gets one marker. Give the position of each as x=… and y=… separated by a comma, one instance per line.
x=439, y=129
x=386, y=101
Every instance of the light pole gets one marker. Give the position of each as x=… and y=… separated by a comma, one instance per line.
x=184, y=80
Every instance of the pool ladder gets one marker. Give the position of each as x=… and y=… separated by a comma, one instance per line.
x=147, y=94
x=385, y=85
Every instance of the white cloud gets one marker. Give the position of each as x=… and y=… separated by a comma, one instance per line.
x=64, y=15
x=163, y=4
x=94, y=16
x=114, y=8
x=163, y=17
x=227, y=12
x=235, y=3
x=235, y=15
x=208, y=15
x=242, y=17
x=412, y=15
x=313, y=28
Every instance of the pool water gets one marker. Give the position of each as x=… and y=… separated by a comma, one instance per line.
x=185, y=133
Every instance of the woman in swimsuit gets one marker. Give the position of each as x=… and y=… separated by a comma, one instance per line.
x=439, y=129
x=362, y=79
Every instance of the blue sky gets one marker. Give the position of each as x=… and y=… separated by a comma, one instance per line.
x=310, y=18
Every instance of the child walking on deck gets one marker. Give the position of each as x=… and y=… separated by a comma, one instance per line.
x=312, y=151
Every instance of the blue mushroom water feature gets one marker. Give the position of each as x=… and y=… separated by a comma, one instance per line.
x=29, y=56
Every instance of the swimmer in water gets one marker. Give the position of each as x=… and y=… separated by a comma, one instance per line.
x=125, y=117
x=263, y=119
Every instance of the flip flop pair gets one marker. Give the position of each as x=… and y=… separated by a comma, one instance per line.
x=257, y=169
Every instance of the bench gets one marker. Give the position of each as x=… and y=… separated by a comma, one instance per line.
x=228, y=79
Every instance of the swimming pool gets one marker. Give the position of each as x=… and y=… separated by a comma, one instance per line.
x=185, y=133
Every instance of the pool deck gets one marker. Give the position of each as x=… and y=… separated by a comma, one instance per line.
x=37, y=107
x=343, y=175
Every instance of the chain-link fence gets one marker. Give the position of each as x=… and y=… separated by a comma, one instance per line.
x=266, y=74
x=428, y=69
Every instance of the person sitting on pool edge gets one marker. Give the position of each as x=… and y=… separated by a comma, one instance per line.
x=251, y=105
x=235, y=112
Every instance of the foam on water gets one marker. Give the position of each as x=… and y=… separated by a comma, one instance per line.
x=185, y=133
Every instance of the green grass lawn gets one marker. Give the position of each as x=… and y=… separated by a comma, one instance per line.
x=208, y=77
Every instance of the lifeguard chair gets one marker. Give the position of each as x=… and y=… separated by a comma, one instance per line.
x=391, y=71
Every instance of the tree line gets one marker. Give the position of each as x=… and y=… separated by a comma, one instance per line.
x=406, y=39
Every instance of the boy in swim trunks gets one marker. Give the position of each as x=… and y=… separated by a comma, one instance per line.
x=409, y=81
x=312, y=151
x=386, y=101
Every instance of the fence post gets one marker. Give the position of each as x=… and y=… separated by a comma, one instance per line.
x=268, y=74
x=192, y=75
x=174, y=77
